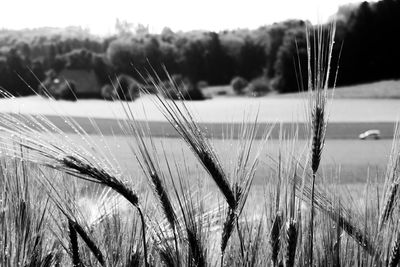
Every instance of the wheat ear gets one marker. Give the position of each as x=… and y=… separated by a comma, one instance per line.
x=291, y=236
x=275, y=238
x=76, y=261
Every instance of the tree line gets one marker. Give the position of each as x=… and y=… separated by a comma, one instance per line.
x=367, y=40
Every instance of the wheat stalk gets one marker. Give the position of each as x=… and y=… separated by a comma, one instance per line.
x=88, y=241
x=392, y=180
x=51, y=151
x=179, y=116
x=318, y=78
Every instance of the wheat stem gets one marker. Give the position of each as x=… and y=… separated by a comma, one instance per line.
x=143, y=235
x=89, y=242
x=241, y=241
x=311, y=228
x=73, y=237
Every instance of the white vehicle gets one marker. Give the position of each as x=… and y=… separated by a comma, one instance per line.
x=375, y=134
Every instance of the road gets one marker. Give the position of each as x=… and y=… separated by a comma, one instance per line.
x=336, y=130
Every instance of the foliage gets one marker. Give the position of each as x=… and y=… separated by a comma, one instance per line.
x=367, y=31
x=107, y=92
x=178, y=87
x=290, y=66
x=201, y=84
x=370, y=51
x=64, y=90
x=259, y=86
x=126, y=88
x=179, y=224
x=18, y=74
x=239, y=84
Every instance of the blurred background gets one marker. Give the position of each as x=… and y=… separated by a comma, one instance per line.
x=249, y=45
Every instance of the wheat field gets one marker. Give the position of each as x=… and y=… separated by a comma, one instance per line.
x=70, y=200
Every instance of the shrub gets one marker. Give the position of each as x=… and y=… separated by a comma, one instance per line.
x=178, y=87
x=56, y=88
x=150, y=89
x=201, y=85
x=107, y=92
x=238, y=84
x=133, y=90
x=79, y=59
x=66, y=90
x=126, y=87
x=193, y=93
x=45, y=85
x=259, y=86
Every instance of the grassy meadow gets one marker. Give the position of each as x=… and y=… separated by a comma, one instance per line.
x=257, y=195
x=388, y=89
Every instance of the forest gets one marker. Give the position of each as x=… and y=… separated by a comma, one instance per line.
x=367, y=49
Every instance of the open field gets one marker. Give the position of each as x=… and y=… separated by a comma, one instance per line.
x=107, y=160
x=349, y=117
x=218, y=110
x=356, y=159
x=389, y=89
x=377, y=90
x=337, y=130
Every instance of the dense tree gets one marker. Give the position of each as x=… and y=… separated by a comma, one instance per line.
x=291, y=64
x=368, y=32
x=371, y=43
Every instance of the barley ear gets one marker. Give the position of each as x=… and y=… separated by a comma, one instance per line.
x=291, y=236
x=73, y=237
x=88, y=241
x=318, y=136
x=275, y=238
x=394, y=259
x=389, y=204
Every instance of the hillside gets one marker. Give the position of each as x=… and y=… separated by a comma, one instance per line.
x=389, y=89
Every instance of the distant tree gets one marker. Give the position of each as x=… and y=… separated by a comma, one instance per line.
x=191, y=58
x=169, y=57
x=51, y=55
x=123, y=28
x=127, y=55
x=239, y=84
x=107, y=92
x=18, y=70
x=65, y=90
x=371, y=45
x=102, y=68
x=252, y=59
x=25, y=50
x=259, y=86
x=126, y=88
x=179, y=87
x=232, y=44
x=79, y=59
x=217, y=64
x=287, y=73
x=167, y=35
x=277, y=33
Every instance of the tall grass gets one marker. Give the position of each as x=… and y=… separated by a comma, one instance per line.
x=303, y=221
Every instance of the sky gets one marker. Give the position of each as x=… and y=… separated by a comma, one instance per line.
x=214, y=15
